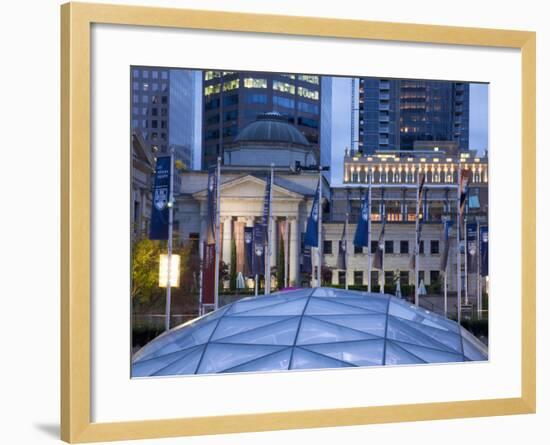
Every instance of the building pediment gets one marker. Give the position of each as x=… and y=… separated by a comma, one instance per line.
x=250, y=187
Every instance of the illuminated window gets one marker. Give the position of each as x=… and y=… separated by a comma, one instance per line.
x=307, y=78
x=209, y=75
x=211, y=89
x=284, y=87
x=290, y=76
x=309, y=94
x=231, y=85
x=251, y=82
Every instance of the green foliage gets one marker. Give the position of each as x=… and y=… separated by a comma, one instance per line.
x=145, y=267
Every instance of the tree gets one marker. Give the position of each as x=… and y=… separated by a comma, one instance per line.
x=145, y=267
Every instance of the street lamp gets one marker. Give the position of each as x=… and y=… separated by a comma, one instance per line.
x=174, y=271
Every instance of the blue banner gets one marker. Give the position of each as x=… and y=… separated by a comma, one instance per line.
x=161, y=195
x=265, y=216
x=212, y=189
x=306, y=260
x=446, y=245
x=312, y=230
x=342, y=248
x=484, y=250
x=258, y=241
x=471, y=246
x=248, y=259
x=361, y=238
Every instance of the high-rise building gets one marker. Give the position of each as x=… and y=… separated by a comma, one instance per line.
x=325, y=139
x=232, y=100
x=164, y=109
x=394, y=113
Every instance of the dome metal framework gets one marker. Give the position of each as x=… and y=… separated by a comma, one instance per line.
x=272, y=127
x=308, y=329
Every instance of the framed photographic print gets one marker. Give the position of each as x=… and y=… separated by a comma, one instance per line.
x=277, y=222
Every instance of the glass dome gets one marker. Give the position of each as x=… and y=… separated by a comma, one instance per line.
x=307, y=329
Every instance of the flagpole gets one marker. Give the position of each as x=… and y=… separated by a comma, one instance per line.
x=465, y=236
x=269, y=250
x=346, y=248
x=217, y=238
x=287, y=254
x=416, y=297
x=170, y=235
x=383, y=247
x=319, y=226
x=478, y=282
x=458, y=258
x=369, y=253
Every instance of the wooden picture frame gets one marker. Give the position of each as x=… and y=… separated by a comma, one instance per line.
x=76, y=21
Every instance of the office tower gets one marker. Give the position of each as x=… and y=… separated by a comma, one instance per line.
x=164, y=109
x=394, y=113
x=325, y=139
x=234, y=99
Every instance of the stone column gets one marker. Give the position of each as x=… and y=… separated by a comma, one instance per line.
x=294, y=253
x=226, y=240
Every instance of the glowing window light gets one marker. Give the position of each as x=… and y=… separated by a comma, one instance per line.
x=174, y=271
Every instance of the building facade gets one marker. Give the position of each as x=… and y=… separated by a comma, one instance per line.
x=232, y=100
x=393, y=179
x=164, y=109
x=394, y=113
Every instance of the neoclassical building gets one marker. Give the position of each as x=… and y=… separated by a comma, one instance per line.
x=393, y=178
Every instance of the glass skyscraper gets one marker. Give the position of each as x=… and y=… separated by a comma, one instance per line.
x=232, y=100
x=394, y=113
x=164, y=109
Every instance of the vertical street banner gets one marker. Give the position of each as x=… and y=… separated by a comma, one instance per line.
x=361, y=238
x=342, y=248
x=463, y=188
x=161, y=194
x=248, y=238
x=312, y=235
x=306, y=260
x=267, y=201
x=378, y=261
x=471, y=247
x=446, y=245
x=209, y=253
x=484, y=250
x=258, y=247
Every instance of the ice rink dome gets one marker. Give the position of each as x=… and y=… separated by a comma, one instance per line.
x=307, y=329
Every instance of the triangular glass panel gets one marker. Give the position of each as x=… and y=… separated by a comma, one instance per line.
x=411, y=312
x=370, y=324
x=430, y=355
x=449, y=339
x=371, y=303
x=177, y=340
x=314, y=331
x=219, y=357
x=281, y=333
x=360, y=353
x=395, y=355
x=290, y=307
x=232, y=325
x=249, y=303
x=273, y=362
x=145, y=368
x=397, y=330
x=302, y=359
x=328, y=306
x=184, y=366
